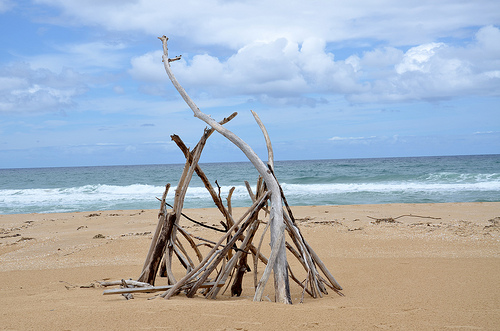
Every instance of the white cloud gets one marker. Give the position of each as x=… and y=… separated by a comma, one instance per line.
x=148, y=67
x=487, y=39
x=353, y=140
x=438, y=71
x=277, y=69
x=23, y=89
x=282, y=52
x=283, y=68
x=118, y=89
x=84, y=57
x=5, y=5
x=417, y=58
x=238, y=23
x=9, y=83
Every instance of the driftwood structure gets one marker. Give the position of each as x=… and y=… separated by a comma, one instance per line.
x=227, y=260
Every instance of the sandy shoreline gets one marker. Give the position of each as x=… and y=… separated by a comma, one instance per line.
x=438, y=271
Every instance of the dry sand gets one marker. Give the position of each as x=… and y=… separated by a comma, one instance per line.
x=416, y=273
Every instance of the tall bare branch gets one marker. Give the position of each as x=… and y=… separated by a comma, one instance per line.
x=279, y=262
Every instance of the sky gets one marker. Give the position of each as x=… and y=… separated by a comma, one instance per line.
x=82, y=82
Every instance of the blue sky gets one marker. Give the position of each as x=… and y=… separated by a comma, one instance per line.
x=82, y=82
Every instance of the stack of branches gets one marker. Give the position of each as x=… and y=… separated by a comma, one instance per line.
x=228, y=256
x=227, y=259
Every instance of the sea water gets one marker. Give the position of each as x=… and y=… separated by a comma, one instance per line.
x=315, y=182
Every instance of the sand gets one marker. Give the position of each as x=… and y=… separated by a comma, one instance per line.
x=406, y=273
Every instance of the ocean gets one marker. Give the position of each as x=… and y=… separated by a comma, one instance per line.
x=315, y=182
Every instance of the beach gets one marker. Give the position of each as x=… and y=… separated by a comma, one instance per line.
x=428, y=266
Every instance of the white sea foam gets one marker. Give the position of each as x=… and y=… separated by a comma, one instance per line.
x=93, y=195
x=413, y=180
x=454, y=177
x=99, y=196
x=389, y=187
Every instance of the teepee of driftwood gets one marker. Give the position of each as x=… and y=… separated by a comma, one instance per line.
x=227, y=260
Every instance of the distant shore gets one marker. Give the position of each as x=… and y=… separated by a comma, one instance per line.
x=402, y=266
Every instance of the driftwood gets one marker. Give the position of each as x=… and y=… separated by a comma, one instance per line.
x=393, y=219
x=204, y=275
x=120, y=282
x=227, y=260
x=282, y=292
x=150, y=289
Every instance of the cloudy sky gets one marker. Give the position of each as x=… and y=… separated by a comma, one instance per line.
x=82, y=82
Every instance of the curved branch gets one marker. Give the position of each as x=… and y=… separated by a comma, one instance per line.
x=276, y=216
x=270, y=154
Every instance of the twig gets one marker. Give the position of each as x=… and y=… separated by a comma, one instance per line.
x=199, y=223
x=410, y=215
x=407, y=215
x=393, y=219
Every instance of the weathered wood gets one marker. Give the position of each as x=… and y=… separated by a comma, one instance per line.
x=153, y=288
x=120, y=282
x=251, y=218
x=191, y=242
x=268, y=190
x=149, y=273
x=257, y=253
x=259, y=291
x=314, y=257
x=249, y=190
x=282, y=292
x=237, y=257
x=127, y=296
x=203, y=177
x=183, y=256
x=180, y=193
x=167, y=233
x=270, y=153
x=154, y=242
x=242, y=266
x=306, y=260
x=167, y=259
x=304, y=286
x=202, y=264
x=323, y=267
x=148, y=269
x=228, y=199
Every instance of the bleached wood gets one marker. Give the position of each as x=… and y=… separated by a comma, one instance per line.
x=153, y=288
x=161, y=221
x=251, y=218
x=270, y=153
x=258, y=253
x=210, y=254
x=249, y=189
x=279, y=262
x=232, y=262
x=323, y=267
x=191, y=242
x=259, y=291
x=228, y=199
x=127, y=281
x=201, y=174
x=168, y=230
